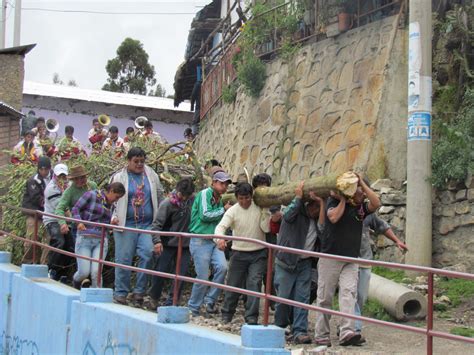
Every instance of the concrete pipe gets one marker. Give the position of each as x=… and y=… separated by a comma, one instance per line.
x=399, y=301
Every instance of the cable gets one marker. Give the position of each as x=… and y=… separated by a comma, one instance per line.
x=105, y=12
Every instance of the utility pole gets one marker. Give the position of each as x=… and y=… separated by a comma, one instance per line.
x=419, y=209
x=3, y=24
x=17, y=29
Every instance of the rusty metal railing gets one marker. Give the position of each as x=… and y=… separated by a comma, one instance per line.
x=427, y=331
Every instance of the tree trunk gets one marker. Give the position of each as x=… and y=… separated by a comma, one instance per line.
x=346, y=183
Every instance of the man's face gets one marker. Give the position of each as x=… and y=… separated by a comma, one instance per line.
x=113, y=136
x=182, y=196
x=97, y=126
x=149, y=130
x=69, y=136
x=62, y=178
x=28, y=138
x=112, y=197
x=244, y=201
x=44, y=172
x=136, y=165
x=220, y=187
x=359, y=196
x=80, y=181
x=312, y=208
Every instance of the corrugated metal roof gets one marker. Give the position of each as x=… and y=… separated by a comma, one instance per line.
x=7, y=108
x=74, y=93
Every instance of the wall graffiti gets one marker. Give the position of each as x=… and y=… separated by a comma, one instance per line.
x=15, y=345
x=111, y=348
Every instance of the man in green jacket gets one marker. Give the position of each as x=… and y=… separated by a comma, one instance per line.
x=206, y=213
x=80, y=185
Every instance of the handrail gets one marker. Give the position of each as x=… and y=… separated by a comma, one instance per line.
x=428, y=331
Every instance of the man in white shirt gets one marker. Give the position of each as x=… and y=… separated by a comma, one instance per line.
x=248, y=260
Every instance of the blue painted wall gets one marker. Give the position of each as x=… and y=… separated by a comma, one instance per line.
x=46, y=317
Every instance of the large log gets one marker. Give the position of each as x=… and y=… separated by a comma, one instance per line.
x=345, y=183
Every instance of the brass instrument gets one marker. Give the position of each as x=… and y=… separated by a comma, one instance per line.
x=104, y=120
x=52, y=125
x=140, y=122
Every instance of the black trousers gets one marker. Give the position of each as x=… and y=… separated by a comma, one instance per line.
x=245, y=268
x=56, y=261
x=165, y=264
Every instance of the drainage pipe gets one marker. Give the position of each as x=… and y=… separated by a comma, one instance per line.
x=399, y=301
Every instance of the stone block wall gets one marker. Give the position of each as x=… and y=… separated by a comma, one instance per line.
x=453, y=225
x=11, y=79
x=336, y=105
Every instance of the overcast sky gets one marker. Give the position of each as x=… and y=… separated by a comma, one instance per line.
x=78, y=45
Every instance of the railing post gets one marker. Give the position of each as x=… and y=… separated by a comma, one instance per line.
x=178, y=270
x=35, y=237
x=101, y=256
x=429, y=320
x=268, y=286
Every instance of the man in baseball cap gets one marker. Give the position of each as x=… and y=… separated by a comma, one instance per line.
x=206, y=213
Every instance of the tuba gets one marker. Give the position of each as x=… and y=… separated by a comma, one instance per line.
x=140, y=122
x=104, y=120
x=52, y=125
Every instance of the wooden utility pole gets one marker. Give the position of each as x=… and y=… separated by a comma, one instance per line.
x=419, y=210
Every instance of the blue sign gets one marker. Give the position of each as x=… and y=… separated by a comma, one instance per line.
x=419, y=126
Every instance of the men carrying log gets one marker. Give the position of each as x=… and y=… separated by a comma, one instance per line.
x=342, y=236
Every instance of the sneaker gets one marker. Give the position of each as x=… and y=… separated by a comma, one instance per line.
x=324, y=342
x=251, y=321
x=63, y=279
x=86, y=283
x=211, y=308
x=302, y=339
x=362, y=340
x=76, y=284
x=53, y=275
x=153, y=304
x=195, y=313
x=350, y=339
x=120, y=300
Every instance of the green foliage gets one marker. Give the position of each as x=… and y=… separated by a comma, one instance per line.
x=457, y=290
x=463, y=331
x=251, y=73
x=129, y=71
x=374, y=309
x=453, y=152
x=229, y=93
x=391, y=274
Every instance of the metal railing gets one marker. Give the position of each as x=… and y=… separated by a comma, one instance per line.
x=428, y=331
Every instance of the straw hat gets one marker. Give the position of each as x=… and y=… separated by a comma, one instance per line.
x=77, y=171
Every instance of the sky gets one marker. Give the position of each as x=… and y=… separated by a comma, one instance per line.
x=78, y=45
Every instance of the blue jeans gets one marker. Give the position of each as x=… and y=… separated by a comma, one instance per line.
x=90, y=247
x=294, y=285
x=362, y=294
x=127, y=245
x=205, y=254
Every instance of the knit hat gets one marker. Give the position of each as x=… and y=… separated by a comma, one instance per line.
x=44, y=162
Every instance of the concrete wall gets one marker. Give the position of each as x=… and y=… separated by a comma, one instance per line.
x=41, y=316
x=11, y=79
x=338, y=104
x=79, y=114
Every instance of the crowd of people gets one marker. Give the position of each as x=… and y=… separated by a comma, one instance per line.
x=135, y=198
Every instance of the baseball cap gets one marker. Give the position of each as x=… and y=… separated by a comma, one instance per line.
x=60, y=169
x=221, y=176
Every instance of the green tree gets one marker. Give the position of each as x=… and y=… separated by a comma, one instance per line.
x=129, y=71
x=160, y=91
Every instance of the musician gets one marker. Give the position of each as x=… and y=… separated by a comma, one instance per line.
x=26, y=150
x=69, y=145
x=150, y=133
x=114, y=142
x=43, y=139
x=97, y=134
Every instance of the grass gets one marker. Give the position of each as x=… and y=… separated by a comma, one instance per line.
x=457, y=290
x=463, y=331
x=374, y=309
x=391, y=274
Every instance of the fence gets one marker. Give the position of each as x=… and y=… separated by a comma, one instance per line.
x=217, y=61
x=428, y=331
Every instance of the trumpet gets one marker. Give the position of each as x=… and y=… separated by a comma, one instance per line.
x=140, y=122
x=104, y=120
